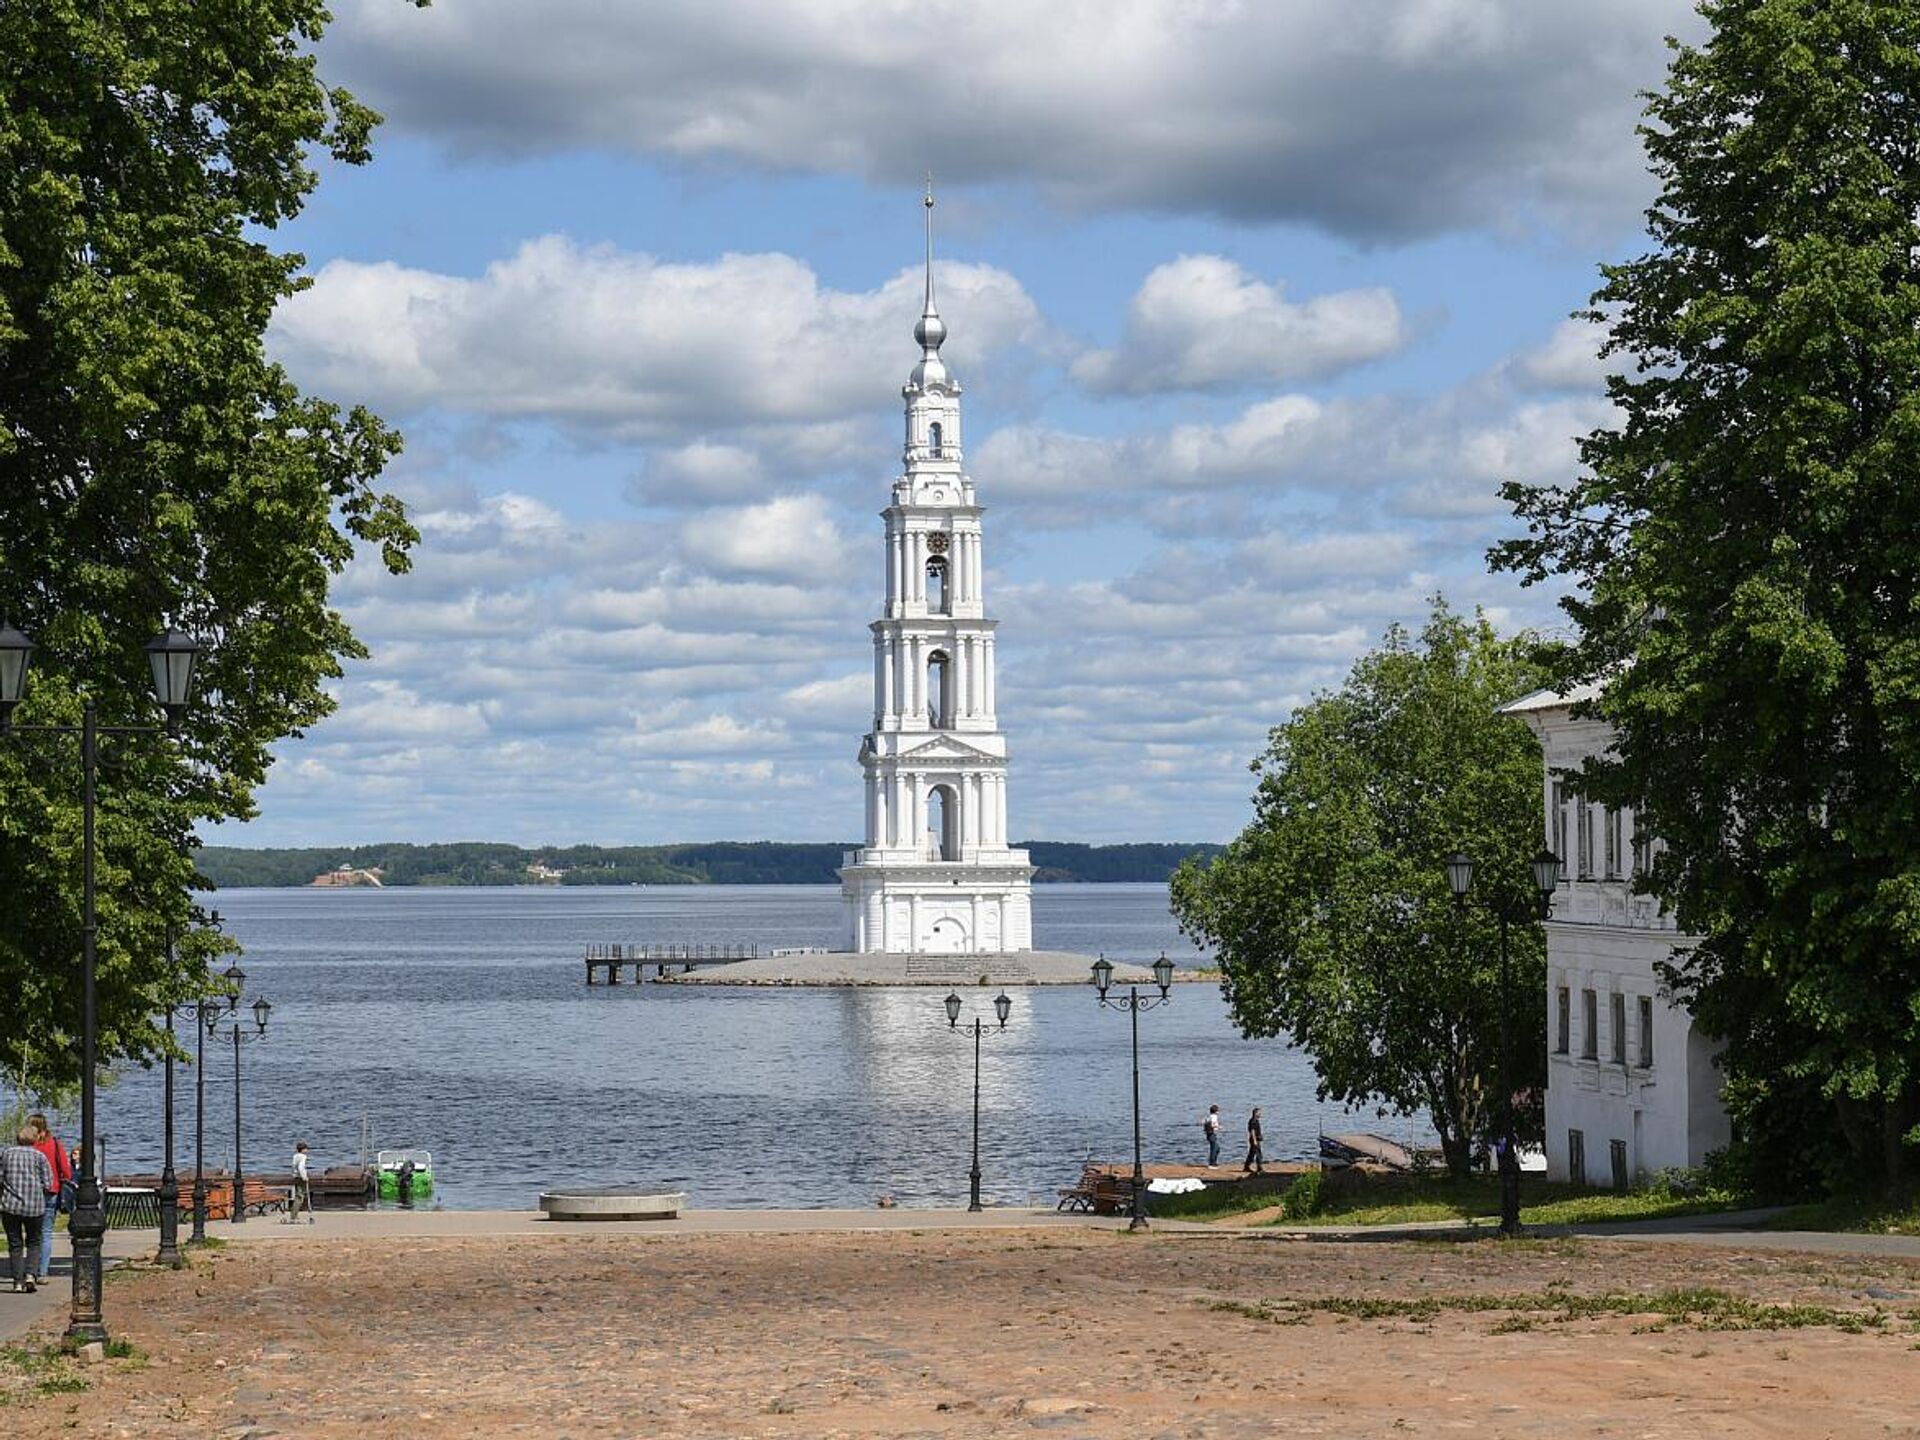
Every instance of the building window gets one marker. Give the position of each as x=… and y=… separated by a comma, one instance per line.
x=1564, y=1029
x=939, y=600
x=1642, y=848
x=1646, y=1032
x=1583, y=838
x=1617, y=1152
x=1577, y=1156
x=933, y=439
x=1610, y=824
x=1559, y=821
x=1590, y=1025
x=1619, y=1019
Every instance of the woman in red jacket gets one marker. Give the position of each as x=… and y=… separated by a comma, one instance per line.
x=62, y=1168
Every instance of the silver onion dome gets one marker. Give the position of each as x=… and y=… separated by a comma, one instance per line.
x=929, y=331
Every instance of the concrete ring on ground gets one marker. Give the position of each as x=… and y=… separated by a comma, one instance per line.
x=613, y=1202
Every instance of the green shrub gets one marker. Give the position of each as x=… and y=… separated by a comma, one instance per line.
x=1303, y=1196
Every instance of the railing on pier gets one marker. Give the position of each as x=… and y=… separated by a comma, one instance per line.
x=613, y=958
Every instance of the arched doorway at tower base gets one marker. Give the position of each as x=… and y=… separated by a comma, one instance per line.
x=946, y=936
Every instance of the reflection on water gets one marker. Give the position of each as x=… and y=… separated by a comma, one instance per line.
x=459, y=1021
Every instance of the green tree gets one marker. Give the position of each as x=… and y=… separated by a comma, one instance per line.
x=1330, y=914
x=156, y=468
x=1746, y=544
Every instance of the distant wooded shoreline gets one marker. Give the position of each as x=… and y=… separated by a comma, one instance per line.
x=724, y=862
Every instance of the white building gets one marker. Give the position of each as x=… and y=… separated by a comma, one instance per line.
x=1631, y=1087
x=936, y=874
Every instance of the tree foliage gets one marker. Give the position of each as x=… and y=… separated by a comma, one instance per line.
x=157, y=469
x=1330, y=914
x=1746, y=540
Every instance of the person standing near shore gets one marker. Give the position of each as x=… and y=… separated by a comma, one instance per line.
x=25, y=1178
x=1256, y=1160
x=302, y=1182
x=1212, y=1126
x=62, y=1166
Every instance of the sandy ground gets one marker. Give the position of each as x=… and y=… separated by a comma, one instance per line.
x=1013, y=1332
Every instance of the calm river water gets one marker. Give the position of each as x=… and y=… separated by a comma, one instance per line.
x=458, y=1021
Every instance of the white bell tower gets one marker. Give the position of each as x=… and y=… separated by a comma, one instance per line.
x=936, y=874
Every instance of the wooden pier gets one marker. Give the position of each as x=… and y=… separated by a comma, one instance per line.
x=611, y=959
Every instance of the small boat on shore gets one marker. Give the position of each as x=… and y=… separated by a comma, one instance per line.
x=415, y=1167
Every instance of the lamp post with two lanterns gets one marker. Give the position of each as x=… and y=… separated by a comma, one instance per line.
x=197, y=1011
x=172, y=657
x=1002, y=1007
x=1133, y=1003
x=236, y=979
x=1545, y=867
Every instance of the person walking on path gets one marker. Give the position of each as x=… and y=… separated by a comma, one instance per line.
x=1212, y=1126
x=25, y=1178
x=1256, y=1161
x=62, y=1167
x=302, y=1183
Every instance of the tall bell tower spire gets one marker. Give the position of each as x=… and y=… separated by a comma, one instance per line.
x=936, y=873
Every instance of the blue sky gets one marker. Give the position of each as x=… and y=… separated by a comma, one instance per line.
x=1255, y=306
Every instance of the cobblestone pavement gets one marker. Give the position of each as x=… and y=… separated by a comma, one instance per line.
x=987, y=1333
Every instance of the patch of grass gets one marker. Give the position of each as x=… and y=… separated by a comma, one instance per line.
x=1699, y=1308
x=120, y=1349
x=1876, y=1215
x=1212, y=1202
x=27, y=1370
x=1396, y=1200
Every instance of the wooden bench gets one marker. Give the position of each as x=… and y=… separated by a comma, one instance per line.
x=267, y=1200
x=1078, y=1198
x=1100, y=1192
x=1113, y=1195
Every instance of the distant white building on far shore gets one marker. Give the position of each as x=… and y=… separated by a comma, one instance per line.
x=1631, y=1086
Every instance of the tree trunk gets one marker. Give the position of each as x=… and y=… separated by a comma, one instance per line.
x=1857, y=1130
x=1450, y=1109
x=1895, y=1120
x=1458, y=1150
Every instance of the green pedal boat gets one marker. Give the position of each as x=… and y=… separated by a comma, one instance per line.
x=413, y=1168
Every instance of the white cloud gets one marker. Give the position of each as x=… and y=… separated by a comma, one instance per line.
x=666, y=676
x=1202, y=322
x=792, y=536
x=1377, y=120
x=1569, y=359
x=1438, y=456
x=1268, y=441
x=614, y=343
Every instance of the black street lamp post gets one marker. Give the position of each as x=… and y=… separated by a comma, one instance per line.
x=206, y=1015
x=1546, y=876
x=236, y=978
x=1002, y=1007
x=196, y=1011
x=1133, y=1004
x=172, y=658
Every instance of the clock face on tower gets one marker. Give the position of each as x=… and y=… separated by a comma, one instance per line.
x=937, y=542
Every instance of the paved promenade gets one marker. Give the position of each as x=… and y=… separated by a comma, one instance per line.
x=457, y=1325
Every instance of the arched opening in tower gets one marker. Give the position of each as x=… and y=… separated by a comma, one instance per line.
x=937, y=593
x=933, y=439
x=939, y=691
x=943, y=823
